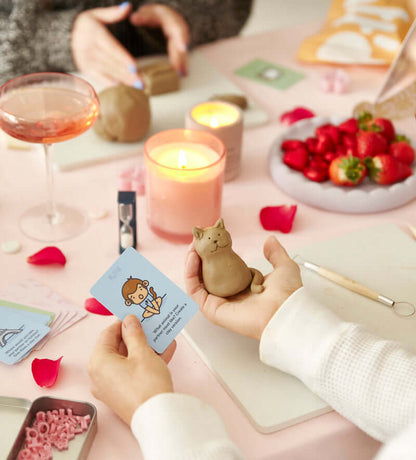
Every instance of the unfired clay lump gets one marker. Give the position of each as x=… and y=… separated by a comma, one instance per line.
x=124, y=114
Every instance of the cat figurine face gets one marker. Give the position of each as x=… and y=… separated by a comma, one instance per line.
x=211, y=240
x=223, y=271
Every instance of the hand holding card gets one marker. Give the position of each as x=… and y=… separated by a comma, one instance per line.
x=132, y=285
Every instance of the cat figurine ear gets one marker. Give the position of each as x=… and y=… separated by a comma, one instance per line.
x=219, y=223
x=197, y=232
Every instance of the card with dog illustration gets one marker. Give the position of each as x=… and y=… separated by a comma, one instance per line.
x=132, y=285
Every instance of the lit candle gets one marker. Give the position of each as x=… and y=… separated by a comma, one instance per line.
x=225, y=121
x=184, y=177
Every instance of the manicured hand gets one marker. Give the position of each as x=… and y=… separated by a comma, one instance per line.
x=246, y=313
x=97, y=52
x=174, y=27
x=125, y=372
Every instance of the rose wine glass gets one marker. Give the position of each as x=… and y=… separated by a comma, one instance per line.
x=45, y=108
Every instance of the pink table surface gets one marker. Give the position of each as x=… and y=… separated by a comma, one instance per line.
x=22, y=185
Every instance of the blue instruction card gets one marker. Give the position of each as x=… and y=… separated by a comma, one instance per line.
x=20, y=331
x=132, y=285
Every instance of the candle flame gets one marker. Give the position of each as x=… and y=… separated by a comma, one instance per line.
x=182, y=159
x=213, y=122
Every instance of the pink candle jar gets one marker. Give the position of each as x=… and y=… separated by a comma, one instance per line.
x=184, y=177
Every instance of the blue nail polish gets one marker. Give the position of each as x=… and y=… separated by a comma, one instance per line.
x=138, y=84
x=124, y=5
x=132, y=68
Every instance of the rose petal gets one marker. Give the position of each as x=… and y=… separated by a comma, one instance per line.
x=298, y=113
x=93, y=306
x=46, y=256
x=278, y=218
x=45, y=371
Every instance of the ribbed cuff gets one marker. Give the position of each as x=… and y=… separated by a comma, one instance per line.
x=299, y=336
x=173, y=426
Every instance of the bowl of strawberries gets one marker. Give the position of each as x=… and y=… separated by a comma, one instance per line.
x=349, y=165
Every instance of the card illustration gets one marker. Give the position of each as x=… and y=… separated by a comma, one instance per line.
x=7, y=334
x=132, y=285
x=138, y=292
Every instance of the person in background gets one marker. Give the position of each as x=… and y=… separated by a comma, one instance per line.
x=370, y=381
x=101, y=38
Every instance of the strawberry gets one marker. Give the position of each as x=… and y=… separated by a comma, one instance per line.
x=349, y=140
x=324, y=144
x=340, y=151
x=370, y=143
x=311, y=143
x=385, y=128
x=291, y=144
x=315, y=174
x=402, y=151
x=329, y=156
x=331, y=130
x=296, y=158
x=385, y=169
x=347, y=171
x=349, y=126
x=318, y=162
x=380, y=125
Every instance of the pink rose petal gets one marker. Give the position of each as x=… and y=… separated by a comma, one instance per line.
x=298, y=113
x=45, y=371
x=93, y=306
x=46, y=256
x=278, y=218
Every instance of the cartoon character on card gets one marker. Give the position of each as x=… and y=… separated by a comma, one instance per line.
x=138, y=292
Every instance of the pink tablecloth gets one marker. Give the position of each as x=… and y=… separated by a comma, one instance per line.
x=22, y=185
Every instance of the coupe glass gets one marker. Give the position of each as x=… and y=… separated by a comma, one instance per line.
x=45, y=108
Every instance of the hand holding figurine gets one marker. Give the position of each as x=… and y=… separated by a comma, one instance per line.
x=97, y=52
x=246, y=313
x=174, y=27
x=125, y=371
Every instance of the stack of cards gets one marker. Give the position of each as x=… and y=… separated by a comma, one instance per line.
x=21, y=328
x=30, y=296
x=132, y=285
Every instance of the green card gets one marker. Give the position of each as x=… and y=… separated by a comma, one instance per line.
x=270, y=74
x=17, y=306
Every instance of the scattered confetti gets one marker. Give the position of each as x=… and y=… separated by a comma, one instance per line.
x=298, y=113
x=278, y=218
x=45, y=371
x=46, y=256
x=93, y=306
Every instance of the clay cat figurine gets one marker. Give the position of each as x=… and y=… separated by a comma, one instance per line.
x=223, y=271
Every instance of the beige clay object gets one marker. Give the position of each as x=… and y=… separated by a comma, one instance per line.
x=124, y=114
x=223, y=271
x=159, y=78
x=236, y=99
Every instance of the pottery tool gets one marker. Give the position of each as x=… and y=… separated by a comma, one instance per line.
x=401, y=308
x=400, y=75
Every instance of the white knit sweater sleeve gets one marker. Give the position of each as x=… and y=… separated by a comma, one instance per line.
x=172, y=426
x=370, y=381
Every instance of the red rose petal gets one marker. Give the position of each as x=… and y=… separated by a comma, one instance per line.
x=298, y=113
x=278, y=218
x=45, y=371
x=46, y=256
x=92, y=305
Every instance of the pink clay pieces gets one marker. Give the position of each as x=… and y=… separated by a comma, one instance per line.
x=53, y=429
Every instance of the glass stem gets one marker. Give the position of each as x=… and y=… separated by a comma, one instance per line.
x=51, y=205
